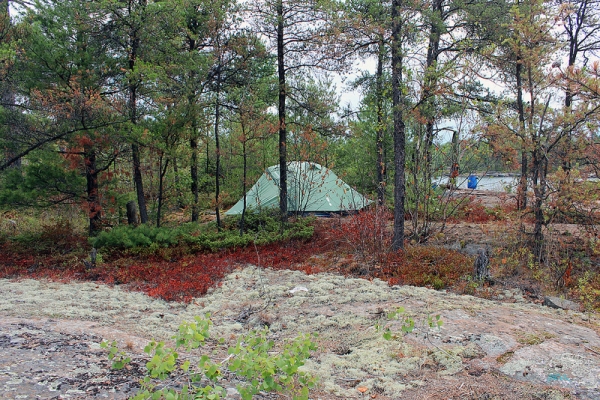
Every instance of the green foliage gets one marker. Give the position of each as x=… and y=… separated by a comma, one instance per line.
x=588, y=287
x=263, y=371
x=253, y=359
x=125, y=237
x=43, y=181
x=407, y=323
x=119, y=358
x=356, y=156
x=261, y=229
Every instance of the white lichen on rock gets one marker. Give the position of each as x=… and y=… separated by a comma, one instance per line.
x=342, y=311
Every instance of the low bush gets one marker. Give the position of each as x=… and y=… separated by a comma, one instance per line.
x=366, y=238
x=366, y=232
x=475, y=211
x=261, y=229
x=588, y=291
x=254, y=360
x=59, y=236
x=426, y=266
x=182, y=263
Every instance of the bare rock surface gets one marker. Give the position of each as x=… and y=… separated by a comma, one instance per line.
x=48, y=359
x=557, y=302
x=49, y=335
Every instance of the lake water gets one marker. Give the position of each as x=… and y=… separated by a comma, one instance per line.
x=494, y=183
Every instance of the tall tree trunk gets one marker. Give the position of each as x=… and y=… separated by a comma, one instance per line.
x=193, y=27
x=430, y=84
x=177, y=181
x=584, y=14
x=283, y=190
x=7, y=94
x=194, y=174
x=245, y=177
x=522, y=190
x=539, y=191
x=207, y=167
x=137, y=179
x=92, y=192
x=135, y=42
x=539, y=162
x=380, y=127
x=399, y=127
x=567, y=151
x=428, y=103
x=454, y=157
x=217, y=152
x=162, y=170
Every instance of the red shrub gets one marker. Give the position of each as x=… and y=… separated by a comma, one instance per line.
x=365, y=236
x=366, y=233
x=426, y=266
x=471, y=210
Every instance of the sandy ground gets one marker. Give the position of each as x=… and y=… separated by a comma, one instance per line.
x=49, y=335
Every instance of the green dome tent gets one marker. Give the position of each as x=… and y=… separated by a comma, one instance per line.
x=312, y=188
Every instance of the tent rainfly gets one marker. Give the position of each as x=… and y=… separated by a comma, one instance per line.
x=312, y=188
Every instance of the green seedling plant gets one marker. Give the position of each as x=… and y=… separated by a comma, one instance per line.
x=407, y=323
x=263, y=371
x=253, y=359
x=119, y=358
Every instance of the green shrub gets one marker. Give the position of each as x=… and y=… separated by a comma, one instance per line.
x=252, y=359
x=262, y=229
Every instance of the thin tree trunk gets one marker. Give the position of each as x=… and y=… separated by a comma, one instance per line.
x=245, y=177
x=162, y=170
x=539, y=193
x=217, y=152
x=380, y=127
x=399, y=127
x=522, y=190
x=194, y=174
x=431, y=83
x=7, y=94
x=139, y=186
x=574, y=24
x=454, y=160
x=93, y=200
x=283, y=190
x=177, y=181
x=429, y=104
x=568, y=148
x=540, y=171
x=193, y=26
x=135, y=42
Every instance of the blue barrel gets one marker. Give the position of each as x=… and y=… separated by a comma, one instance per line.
x=472, y=182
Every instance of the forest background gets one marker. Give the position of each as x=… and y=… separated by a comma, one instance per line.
x=178, y=106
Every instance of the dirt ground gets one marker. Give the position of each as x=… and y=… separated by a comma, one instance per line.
x=509, y=349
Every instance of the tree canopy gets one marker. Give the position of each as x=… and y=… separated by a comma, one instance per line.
x=180, y=105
